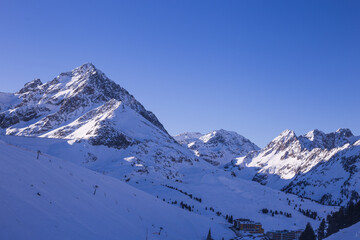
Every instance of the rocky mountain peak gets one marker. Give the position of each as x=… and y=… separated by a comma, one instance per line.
x=311, y=140
x=86, y=72
x=282, y=141
x=314, y=134
x=86, y=67
x=286, y=134
x=344, y=132
x=222, y=136
x=30, y=86
x=218, y=146
x=319, y=139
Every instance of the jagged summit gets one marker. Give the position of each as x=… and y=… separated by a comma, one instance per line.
x=319, y=139
x=287, y=133
x=285, y=138
x=311, y=135
x=347, y=132
x=30, y=86
x=86, y=67
x=313, y=139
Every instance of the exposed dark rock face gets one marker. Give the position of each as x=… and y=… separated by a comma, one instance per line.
x=30, y=86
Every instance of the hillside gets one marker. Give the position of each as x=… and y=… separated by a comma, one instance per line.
x=52, y=198
x=218, y=190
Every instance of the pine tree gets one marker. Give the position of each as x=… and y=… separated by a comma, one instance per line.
x=331, y=228
x=350, y=214
x=230, y=219
x=235, y=224
x=209, y=235
x=341, y=218
x=321, y=230
x=308, y=233
x=345, y=217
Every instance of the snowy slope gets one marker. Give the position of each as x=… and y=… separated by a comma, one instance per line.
x=217, y=147
x=350, y=233
x=50, y=198
x=216, y=188
x=112, y=118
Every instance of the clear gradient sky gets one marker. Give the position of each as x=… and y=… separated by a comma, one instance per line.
x=254, y=67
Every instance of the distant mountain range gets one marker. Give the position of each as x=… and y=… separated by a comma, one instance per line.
x=86, y=105
x=315, y=165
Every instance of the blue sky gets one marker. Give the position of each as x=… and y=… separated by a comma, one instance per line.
x=255, y=67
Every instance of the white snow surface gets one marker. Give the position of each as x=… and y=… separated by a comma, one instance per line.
x=217, y=188
x=114, y=113
x=350, y=233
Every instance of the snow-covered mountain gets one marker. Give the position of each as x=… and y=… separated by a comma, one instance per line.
x=83, y=117
x=45, y=107
x=84, y=105
x=290, y=157
x=217, y=147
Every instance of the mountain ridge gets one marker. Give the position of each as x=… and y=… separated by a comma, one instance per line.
x=84, y=106
x=289, y=157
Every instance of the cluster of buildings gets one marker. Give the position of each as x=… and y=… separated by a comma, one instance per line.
x=242, y=224
x=244, y=227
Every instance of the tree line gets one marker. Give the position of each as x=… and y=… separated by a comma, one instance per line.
x=345, y=217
